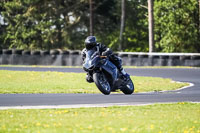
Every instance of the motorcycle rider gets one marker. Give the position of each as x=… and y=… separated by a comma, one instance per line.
x=90, y=43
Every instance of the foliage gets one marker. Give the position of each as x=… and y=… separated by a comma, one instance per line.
x=36, y=24
x=136, y=32
x=64, y=24
x=177, y=117
x=136, y=27
x=176, y=26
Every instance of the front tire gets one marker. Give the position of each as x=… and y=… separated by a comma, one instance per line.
x=102, y=83
x=128, y=89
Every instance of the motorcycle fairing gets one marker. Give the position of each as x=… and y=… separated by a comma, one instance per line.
x=111, y=69
x=93, y=60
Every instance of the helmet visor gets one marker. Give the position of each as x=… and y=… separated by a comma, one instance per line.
x=90, y=46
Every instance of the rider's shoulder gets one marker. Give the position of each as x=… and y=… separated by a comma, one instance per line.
x=101, y=45
x=98, y=44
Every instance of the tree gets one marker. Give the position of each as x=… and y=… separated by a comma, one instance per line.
x=43, y=24
x=199, y=18
x=176, y=25
x=122, y=25
x=151, y=25
x=64, y=24
x=107, y=20
x=91, y=17
x=135, y=37
x=2, y=28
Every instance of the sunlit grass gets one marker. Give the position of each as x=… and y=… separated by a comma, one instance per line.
x=159, y=118
x=59, y=82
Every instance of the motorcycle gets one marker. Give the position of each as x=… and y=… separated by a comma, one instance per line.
x=105, y=74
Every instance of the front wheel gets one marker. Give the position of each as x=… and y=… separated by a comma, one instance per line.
x=102, y=83
x=129, y=87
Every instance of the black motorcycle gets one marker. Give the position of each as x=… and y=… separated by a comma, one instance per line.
x=105, y=74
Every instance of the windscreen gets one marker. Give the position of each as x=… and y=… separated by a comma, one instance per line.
x=90, y=54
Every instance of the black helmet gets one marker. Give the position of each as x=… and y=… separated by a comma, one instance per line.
x=90, y=42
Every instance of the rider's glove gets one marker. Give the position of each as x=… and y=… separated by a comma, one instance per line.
x=107, y=53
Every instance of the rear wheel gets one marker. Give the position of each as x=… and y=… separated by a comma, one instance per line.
x=102, y=83
x=129, y=87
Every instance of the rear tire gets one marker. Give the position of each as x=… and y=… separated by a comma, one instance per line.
x=102, y=83
x=128, y=89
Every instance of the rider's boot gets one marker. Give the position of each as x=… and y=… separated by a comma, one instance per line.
x=125, y=75
x=89, y=78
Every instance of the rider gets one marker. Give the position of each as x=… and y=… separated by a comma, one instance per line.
x=90, y=42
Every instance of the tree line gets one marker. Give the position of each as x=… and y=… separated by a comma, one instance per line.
x=64, y=24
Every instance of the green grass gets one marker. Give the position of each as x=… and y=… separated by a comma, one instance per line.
x=41, y=66
x=59, y=82
x=158, y=118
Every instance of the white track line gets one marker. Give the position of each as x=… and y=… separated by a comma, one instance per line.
x=86, y=105
x=190, y=85
x=65, y=106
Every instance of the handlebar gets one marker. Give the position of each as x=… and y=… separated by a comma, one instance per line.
x=103, y=56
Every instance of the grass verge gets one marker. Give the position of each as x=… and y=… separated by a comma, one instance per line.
x=158, y=118
x=59, y=82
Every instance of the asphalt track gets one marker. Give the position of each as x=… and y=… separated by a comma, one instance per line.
x=189, y=94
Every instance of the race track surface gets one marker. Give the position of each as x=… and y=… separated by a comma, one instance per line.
x=190, y=94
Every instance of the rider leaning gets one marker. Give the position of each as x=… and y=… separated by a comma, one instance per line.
x=90, y=43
